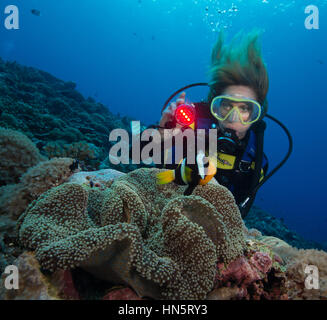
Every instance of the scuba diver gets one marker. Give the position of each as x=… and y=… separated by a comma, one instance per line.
x=235, y=107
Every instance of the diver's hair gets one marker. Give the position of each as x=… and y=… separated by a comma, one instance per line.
x=240, y=63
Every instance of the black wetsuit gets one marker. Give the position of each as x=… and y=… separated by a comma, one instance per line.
x=238, y=177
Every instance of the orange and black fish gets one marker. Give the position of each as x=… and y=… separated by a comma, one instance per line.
x=191, y=175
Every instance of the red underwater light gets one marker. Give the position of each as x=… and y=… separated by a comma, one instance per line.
x=185, y=115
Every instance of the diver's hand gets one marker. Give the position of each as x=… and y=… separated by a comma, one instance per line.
x=169, y=113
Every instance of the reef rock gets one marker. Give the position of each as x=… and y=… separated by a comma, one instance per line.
x=34, y=285
x=100, y=178
x=302, y=267
x=256, y=275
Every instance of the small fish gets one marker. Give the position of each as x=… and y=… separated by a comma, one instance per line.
x=190, y=175
x=320, y=61
x=36, y=12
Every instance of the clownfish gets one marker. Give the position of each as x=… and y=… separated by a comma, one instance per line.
x=191, y=175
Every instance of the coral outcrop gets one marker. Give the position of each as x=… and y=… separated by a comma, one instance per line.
x=297, y=260
x=25, y=174
x=17, y=154
x=257, y=275
x=293, y=263
x=150, y=237
x=14, y=198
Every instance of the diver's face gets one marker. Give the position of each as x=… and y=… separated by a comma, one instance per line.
x=233, y=122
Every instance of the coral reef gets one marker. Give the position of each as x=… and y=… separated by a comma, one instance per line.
x=34, y=285
x=17, y=154
x=14, y=198
x=155, y=243
x=95, y=230
x=55, y=116
x=297, y=260
x=269, y=225
x=292, y=262
x=162, y=244
x=25, y=174
x=9, y=246
x=85, y=152
x=257, y=275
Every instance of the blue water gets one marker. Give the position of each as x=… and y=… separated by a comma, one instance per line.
x=132, y=54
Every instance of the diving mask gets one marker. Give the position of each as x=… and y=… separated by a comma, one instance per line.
x=236, y=109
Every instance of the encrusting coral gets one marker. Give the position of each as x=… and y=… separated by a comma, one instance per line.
x=150, y=237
